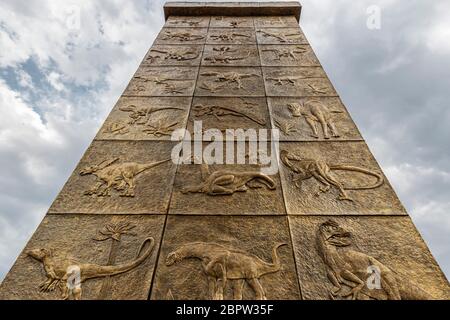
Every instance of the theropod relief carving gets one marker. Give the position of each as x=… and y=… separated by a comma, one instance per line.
x=222, y=265
x=347, y=269
x=181, y=36
x=282, y=37
x=289, y=54
x=68, y=274
x=304, y=169
x=120, y=177
x=314, y=113
x=226, y=79
x=174, y=54
x=169, y=84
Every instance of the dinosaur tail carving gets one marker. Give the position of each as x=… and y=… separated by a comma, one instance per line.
x=141, y=256
x=275, y=266
x=378, y=176
x=152, y=165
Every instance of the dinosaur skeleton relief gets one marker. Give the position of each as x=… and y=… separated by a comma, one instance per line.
x=347, y=268
x=181, y=36
x=118, y=176
x=304, y=169
x=60, y=269
x=221, y=265
x=225, y=78
x=176, y=55
x=315, y=112
x=226, y=182
x=229, y=37
x=281, y=37
x=219, y=111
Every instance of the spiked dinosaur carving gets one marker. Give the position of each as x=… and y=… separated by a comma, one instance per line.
x=304, y=169
x=348, y=268
x=118, y=176
x=221, y=264
x=226, y=182
x=60, y=268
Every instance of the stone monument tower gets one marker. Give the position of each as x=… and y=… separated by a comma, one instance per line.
x=132, y=224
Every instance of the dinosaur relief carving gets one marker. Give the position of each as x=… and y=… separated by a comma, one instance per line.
x=281, y=37
x=303, y=169
x=181, y=36
x=222, y=265
x=60, y=269
x=167, y=83
x=224, y=79
x=219, y=112
x=289, y=80
x=347, y=269
x=316, y=90
x=229, y=37
x=287, y=128
x=190, y=23
x=160, y=128
x=177, y=55
x=116, y=176
x=227, y=182
x=222, y=58
x=315, y=112
x=290, y=54
x=117, y=128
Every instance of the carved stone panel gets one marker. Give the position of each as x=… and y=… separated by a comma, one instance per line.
x=297, y=82
x=231, y=55
x=221, y=189
x=231, y=36
x=276, y=22
x=187, y=22
x=174, y=55
x=116, y=256
x=232, y=22
x=364, y=258
x=120, y=177
x=162, y=81
x=182, y=36
x=218, y=81
x=229, y=113
x=280, y=36
x=335, y=178
x=145, y=118
x=312, y=119
x=198, y=252
x=288, y=55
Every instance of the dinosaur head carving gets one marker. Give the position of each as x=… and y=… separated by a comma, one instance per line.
x=173, y=258
x=91, y=169
x=39, y=254
x=287, y=159
x=295, y=109
x=334, y=234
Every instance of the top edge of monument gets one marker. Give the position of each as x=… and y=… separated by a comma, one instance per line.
x=181, y=8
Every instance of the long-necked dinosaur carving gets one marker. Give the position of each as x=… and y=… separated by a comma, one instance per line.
x=347, y=267
x=314, y=111
x=226, y=182
x=219, y=111
x=304, y=169
x=118, y=176
x=221, y=264
x=58, y=269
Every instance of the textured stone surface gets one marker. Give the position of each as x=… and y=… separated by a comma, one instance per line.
x=390, y=243
x=231, y=22
x=182, y=36
x=276, y=22
x=254, y=237
x=303, y=119
x=299, y=55
x=71, y=239
x=174, y=55
x=309, y=197
x=231, y=55
x=152, y=186
x=187, y=22
x=280, y=36
x=165, y=82
x=218, y=81
x=229, y=113
x=231, y=36
x=145, y=118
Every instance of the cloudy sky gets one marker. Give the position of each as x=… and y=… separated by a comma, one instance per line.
x=58, y=81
